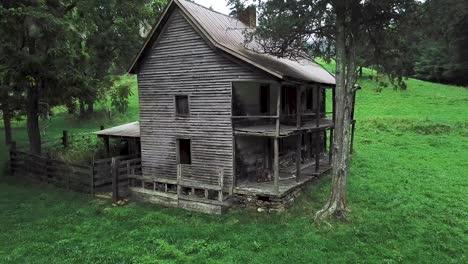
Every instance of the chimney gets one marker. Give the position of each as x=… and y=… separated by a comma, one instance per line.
x=248, y=16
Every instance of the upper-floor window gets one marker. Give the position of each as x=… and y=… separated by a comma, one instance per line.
x=182, y=105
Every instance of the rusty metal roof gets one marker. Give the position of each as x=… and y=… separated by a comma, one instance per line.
x=130, y=130
x=228, y=34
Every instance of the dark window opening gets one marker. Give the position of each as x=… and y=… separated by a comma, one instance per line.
x=265, y=99
x=182, y=105
x=184, y=151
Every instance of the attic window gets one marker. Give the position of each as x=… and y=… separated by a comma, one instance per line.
x=182, y=105
x=184, y=152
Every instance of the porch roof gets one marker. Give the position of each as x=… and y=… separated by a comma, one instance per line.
x=130, y=130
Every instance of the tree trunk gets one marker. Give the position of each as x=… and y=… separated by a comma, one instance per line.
x=345, y=79
x=82, y=108
x=32, y=113
x=7, y=124
x=90, y=109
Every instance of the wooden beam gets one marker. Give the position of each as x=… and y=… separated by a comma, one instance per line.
x=276, y=142
x=276, y=164
x=298, y=156
x=317, y=111
x=330, y=153
x=278, y=111
x=317, y=151
x=179, y=179
x=298, y=107
x=115, y=180
x=333, y=104
x=221, y=184
x=234, y=168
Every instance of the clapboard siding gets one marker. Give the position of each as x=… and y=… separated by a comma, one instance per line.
x=182, y=63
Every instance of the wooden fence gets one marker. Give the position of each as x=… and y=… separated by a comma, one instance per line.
x=83, y=178
x=62, y=174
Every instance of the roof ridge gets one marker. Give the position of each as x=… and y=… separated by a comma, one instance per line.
x=209, y=9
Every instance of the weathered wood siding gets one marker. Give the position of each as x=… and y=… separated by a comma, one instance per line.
x=181, y=62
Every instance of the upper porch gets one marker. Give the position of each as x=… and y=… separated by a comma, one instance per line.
x=274, y=109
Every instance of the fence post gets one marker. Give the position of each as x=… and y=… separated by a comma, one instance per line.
x=11, y=168
x=221, y=184
x=65, y=139
x=179, y=179
x=92, y=176
x=115, y=180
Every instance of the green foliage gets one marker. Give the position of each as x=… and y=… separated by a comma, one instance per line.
x=441, y=46
x=407, y=193
x=120, y=94
x=81, y=150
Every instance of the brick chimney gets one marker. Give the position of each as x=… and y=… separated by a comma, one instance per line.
x=248, y=16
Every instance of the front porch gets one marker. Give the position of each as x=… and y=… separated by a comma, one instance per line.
x=286, y=183
x=281, y=135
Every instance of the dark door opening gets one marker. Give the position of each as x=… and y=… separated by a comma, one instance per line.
x=184, y=151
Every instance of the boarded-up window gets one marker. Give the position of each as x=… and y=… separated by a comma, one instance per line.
x=182, y=105
x=184, y=151
x=265, y=99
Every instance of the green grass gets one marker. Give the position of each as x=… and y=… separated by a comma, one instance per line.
x=407, y=191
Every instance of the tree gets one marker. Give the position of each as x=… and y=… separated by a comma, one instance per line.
x=35, y=48
x=442, y=55
x=60, y=51
x=112, y=32
x=335, y=29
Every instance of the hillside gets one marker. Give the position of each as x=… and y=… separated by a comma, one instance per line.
x=407, y=192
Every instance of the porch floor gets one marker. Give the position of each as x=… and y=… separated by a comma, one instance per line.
x=285, y=130
x=287, y=183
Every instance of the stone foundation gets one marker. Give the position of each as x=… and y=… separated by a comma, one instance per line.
x=268, y=204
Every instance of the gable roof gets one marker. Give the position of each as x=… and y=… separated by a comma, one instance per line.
x=226, y=34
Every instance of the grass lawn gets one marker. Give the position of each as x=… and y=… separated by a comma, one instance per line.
x=407, y=191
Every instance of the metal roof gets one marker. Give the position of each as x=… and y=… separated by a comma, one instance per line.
x=228, y=34
x=131, y=130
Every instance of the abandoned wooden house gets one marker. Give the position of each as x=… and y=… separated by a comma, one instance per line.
x=220, y=121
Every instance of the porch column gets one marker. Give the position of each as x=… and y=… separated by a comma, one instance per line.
x=317, y=100
x=299, y=90
x=317, y=151
x=276, y=141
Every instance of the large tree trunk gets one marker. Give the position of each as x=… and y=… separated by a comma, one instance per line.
x=32, y=113
x=345, y=79
x=7, y=123
x=90, y=109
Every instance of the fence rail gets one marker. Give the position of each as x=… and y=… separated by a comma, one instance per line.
x=77, y=177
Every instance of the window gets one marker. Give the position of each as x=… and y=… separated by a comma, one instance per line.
x=265, y=99
x=182, y=105
x=184, y=151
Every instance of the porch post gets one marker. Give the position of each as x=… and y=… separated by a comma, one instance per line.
x=299, y=90
x=317, y=111
x=276, y=141
x=317, y=151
